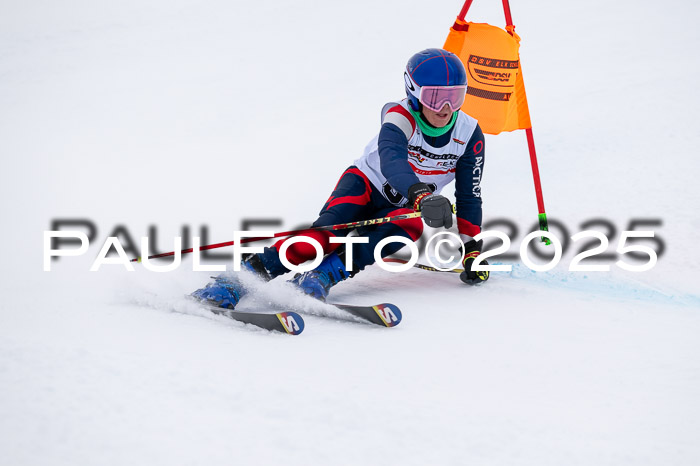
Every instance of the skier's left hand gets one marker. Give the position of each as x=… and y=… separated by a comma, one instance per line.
x=436, y=210
x=472, y=249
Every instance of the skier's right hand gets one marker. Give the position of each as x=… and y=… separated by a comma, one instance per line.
x=435, y=209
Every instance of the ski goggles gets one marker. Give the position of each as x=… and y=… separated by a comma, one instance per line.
x=435, y=97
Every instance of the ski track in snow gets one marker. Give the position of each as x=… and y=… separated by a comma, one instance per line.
x=622, y=288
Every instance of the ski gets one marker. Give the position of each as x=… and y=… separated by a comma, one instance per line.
x=290, y=322
x=286, y=322
x=385, y=314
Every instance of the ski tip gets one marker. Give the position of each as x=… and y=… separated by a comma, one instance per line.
x=292, y=323
x=389, y=313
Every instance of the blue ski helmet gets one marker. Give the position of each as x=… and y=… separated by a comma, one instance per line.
x=432, y=67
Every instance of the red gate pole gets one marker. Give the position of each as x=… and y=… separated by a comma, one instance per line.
x=506, y=11
x=465, y=8
x=542, y=215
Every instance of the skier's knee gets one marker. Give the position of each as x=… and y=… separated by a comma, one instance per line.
x=413, y=227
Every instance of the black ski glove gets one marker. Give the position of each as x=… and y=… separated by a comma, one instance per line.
x=435, y=209
x=472, y=249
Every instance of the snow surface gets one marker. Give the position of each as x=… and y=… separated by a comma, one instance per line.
x=207, y=113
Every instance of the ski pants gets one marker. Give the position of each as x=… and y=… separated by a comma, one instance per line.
x=354, y=198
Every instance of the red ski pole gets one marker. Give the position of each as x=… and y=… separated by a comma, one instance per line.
x=340, y=226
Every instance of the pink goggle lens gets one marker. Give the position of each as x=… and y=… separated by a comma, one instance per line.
x=435, y=97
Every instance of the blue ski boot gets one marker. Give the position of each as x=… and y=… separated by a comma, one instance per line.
x=225, y=291
x=319, y=281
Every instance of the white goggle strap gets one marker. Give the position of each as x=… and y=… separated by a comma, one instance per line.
x=412, y=87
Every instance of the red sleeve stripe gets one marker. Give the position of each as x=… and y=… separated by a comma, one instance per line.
x=402, y=119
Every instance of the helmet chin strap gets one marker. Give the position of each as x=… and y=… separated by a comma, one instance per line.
x=428, y=129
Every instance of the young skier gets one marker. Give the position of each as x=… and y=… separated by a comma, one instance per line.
x=424, y=143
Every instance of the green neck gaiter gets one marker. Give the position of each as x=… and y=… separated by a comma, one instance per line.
x=428, y=129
